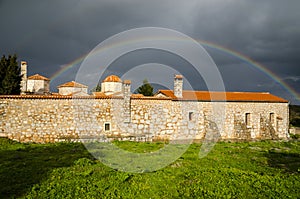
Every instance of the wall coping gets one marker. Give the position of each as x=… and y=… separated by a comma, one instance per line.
x=120, y=97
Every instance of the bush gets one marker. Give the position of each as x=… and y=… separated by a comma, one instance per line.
x=295, y=136
x=295, y=122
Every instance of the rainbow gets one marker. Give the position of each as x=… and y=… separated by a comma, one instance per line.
x=236, y=54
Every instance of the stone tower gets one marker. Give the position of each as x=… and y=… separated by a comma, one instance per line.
x=178, y=83
x=24, y=77
x=127, y=94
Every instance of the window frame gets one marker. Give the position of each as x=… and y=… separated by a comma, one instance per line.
x=248, y=119
x=191, y=116
x=109, y=126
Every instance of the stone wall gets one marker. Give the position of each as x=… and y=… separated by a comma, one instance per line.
x=55, y=119
x=294, y=130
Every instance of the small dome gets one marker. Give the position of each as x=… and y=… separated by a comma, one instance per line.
x=112, y=78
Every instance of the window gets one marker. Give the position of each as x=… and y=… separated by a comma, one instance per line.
x=278, y=123
x=272, y=118
x=247, y=119
x=191, y=116
x=107, y=126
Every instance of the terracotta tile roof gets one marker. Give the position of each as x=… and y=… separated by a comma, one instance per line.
x=178, y=77
x=72, y=84
x=224, y=96
x=137, y=95
x=56, y=97
x=127, y=81
x=112, y=78
x=187, y=95
x=99, y=94
x=78, y=93
x=115, y=94
x=38, y=77
x=142, y=97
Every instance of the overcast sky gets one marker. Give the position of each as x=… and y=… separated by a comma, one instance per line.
x=51, y=34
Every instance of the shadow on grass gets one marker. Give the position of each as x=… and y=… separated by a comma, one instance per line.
x=24, y=165
x=289, y=162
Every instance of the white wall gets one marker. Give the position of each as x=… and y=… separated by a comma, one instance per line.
x=111, y=87
x=37, y=86
x=70, y=90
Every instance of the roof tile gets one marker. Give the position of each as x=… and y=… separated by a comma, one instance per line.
x=72, y=84
x=38, y=77
x=224, y=96
x=112, y=78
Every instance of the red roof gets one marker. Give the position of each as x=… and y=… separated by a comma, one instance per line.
x=137, y=95
x=56, y=96
x=187, y=95
x=99, y=94
x=38, y=77
x=72, y=84
x=224, y=96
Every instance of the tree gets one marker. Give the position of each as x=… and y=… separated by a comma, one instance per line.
x=96, y=89
x=294, y=115
x=10, y=77
x=146, y=89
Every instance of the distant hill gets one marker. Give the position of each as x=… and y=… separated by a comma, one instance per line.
x=295, y=115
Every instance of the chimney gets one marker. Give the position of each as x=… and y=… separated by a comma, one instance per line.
x=178, y=82
x=24, y=77
x=127, y=101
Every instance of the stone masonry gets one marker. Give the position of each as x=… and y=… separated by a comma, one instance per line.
x=51, y=119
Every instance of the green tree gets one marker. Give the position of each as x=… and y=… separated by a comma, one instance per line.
x=10, y=77
x=294, y=115
x=146, y=89
x=96, y=89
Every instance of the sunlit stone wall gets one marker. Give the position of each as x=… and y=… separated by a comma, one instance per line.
x=51, y=120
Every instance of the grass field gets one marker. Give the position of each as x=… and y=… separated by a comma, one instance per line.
x=266, y=169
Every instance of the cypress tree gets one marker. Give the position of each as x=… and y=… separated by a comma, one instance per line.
x=146, y=89
x=97, y=88
x=10, y=77
x=2, y=72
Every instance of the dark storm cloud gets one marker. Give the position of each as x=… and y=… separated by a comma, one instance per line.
x=266, y=30
x=56, y=32
x=49, y=34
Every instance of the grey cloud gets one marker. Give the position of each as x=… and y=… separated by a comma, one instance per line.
x=49, y=34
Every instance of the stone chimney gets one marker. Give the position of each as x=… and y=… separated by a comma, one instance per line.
x=178, y=83
x=126, y=105
x=24, y=77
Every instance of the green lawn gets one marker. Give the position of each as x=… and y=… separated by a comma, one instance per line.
x=267, y=169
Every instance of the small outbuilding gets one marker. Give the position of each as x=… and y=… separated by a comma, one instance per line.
x=38, y=84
